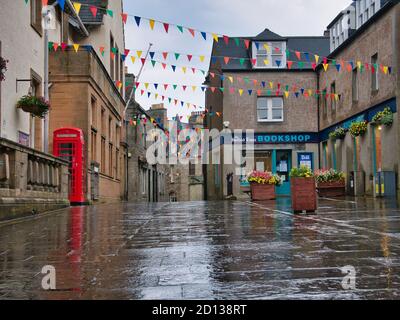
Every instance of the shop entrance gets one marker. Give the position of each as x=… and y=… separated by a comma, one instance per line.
x=278, y=162
x=283, y=167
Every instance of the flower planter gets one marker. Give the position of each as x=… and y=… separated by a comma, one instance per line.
x=304, y=195
x=262, y=192
x=35, y=110
x=34, y=105
x=332, y=189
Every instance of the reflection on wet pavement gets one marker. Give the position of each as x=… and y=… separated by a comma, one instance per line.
x=205, y=250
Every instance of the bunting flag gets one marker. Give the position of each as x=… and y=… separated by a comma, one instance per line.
x=77, y=7
x=76, y=47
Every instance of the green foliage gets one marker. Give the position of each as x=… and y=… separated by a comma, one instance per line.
x=384, y=117
x=339, y=133
x=302, y=172
x=37, y=106
x=358, y=128
x=329, y=176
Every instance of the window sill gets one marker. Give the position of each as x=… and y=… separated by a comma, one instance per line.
x=270, y=121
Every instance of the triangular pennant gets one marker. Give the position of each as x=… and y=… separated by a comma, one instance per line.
x=133, y=59
x=189, y=56
x=202, y=58
x=215, y=37
x=204, y=35
x=191, y=31
x=152, y=22
x=177, y=55
x=247, y=43
x=110, y=13
x=77, y=7
x=93, y=10
x=226, y=60
x=76, y=47
x=139, y=53
x=137, y=19
x=166, y=27
x=298, y=55
x=165, y=55
x=124, y=17
x=180, y=28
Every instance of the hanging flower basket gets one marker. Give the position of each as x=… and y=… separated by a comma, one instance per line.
x=384, y=117
x=3, y=68
x=330, y=183
x=358, y=128
x=338, y=134
x=34, y=105
x=262, y=185
x=304, y=195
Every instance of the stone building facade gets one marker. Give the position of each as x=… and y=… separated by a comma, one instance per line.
x=285, y=127
x=363, y=93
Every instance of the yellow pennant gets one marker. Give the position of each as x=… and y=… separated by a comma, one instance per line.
x=266, y=62
x=133, y=59
x=77, y=7
x=202, y=58
x=385, y=69
x=156, y=95
x=215, y=37
x=266, y=46
x=326, y=67
x=184, y=69
x=152, y=22
x=287, y=94
x=194, y=88
x=146, y=85
x=359, y=64
x=316, y=59
x=240, y=92
x=139, y=53
x=336, y=97
x=271, y=84
x=309, y=92
x=230, y=79
x=76, y=47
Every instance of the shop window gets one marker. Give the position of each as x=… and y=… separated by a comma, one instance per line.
x=374, y=83
x=270, y=109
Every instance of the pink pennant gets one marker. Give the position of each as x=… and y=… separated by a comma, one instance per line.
x=226, y=59
x=212, y=74
x=166, y=27
x=164, y=65
x=94, y=11
x=247, y=43
x=254, y=61
x=226, y=39
x=64, y=46
x=289, y=64
x=298, y=55
x=193, y=70
x=191, y=32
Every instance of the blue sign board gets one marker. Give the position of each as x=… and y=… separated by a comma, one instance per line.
x=286, y=138
x=306, y=159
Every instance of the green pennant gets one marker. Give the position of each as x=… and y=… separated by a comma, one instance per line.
x=50, y=45
x=334, y=63
x=203, y=72
x=246, y=80
x=287, y=87
x=169, y=100
x=153, y=62
x=241, y=61
x=114, y=50
x=237, y=41
x=301, y=64
x=180, y=28
x=174, y=86
x=26, y=1
x=177, y=55
x=268, y=92
x=222, y=89
x=110, y=13
x=287, y=53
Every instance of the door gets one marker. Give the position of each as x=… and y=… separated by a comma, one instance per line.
x=283, y=167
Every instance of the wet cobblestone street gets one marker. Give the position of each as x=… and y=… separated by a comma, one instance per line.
x=205, y=250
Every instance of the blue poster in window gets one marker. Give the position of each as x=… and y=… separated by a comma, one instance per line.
x=306, y=159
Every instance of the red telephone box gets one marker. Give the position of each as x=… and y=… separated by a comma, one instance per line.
x=68, y=144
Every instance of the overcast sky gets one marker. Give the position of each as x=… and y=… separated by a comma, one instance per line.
x=229, y=17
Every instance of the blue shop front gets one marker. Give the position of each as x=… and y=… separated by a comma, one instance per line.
x=280, y=152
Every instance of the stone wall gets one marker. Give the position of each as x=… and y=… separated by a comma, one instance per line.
x=30, y=181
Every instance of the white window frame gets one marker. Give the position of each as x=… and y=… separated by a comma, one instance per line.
x=269, y=109
x=269, y=54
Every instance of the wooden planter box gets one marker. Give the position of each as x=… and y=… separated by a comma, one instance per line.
x=332, y=189
x=262, y=192
x=304, y=194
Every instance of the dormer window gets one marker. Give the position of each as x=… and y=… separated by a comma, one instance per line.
x=269, y=55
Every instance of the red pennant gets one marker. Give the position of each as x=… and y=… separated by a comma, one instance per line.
x=226, y=39
x=226, y=59
x=314, y=66
x=141, y=92
x=126, y=52
x=137, y=84
x=112, y=55
x=255, y=82
x=194, y=70
x=143, y=60
x=254, y=61
x=232, y=90
x=259, y=92
x=247, y=43
x=212, y=74
x=166, y=27
x=279, y=86
x=189, y=57
x=349, y=68
x=55, y=46
x=164, y=65
x=94, y=11
x=165, y=55
x=124, y=17
x=212, y=89
x=325, y=60
x=64, y=46
x=184, y=88
x=191, y=32
x=165, y=86
x=298, y=55
x=289, y=64
x=101, y=50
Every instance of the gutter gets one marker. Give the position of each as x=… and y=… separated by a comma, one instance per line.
x=81, y=25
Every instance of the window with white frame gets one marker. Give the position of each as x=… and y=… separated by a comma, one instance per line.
x=270, y=109
x=270, y=54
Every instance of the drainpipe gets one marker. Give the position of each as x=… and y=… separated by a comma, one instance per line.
x=319, y=125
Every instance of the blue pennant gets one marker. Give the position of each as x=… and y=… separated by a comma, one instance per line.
x=257, y=45
x=123, y=57
x=61, y=3
x=296, y=94
x=338, y=67
x=204, y=35
x=173, y=68
x=263, y=84
x=137, y=19
x=278, y=63
x=222, y=77
x=302, y=90
x=148, y=94
x=250, y=92
x=152, y=55
x=213, y=60
x=307, y=55
x=156, y=86
x=203, y=88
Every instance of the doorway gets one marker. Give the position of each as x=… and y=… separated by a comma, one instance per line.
x=283, y=167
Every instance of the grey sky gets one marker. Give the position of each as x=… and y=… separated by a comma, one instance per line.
x=230, y=17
